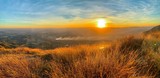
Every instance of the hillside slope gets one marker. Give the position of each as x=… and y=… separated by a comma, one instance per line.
x=129, y=57
x=154, y=29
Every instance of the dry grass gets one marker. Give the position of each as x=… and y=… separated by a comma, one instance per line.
x=16, y=66
x=123, y=59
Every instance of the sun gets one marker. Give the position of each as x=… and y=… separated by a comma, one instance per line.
x=101, y=23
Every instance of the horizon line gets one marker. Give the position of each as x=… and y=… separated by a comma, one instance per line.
x=72, y=27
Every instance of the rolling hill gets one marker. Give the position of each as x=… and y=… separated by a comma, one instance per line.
x=128, y=57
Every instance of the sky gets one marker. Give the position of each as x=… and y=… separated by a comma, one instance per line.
x=78, y=13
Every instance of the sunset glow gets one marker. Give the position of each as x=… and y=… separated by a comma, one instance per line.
x=101, y=23
x=78, y=13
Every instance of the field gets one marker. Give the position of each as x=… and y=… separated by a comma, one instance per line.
x=128, y=57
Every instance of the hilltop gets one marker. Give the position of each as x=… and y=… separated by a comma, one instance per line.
x=128, y=57
x=154, y=29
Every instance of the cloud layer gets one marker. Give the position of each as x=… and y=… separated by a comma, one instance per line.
x=62, y=12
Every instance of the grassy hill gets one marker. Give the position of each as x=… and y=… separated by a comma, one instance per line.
x=154, y=29
x=129, y=57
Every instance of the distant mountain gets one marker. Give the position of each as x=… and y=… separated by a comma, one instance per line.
x=154, y=29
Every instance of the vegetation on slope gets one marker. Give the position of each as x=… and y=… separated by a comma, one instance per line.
x=122, y=59
x=129, y=57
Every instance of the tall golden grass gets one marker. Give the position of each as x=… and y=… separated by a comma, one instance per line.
x=125, y=58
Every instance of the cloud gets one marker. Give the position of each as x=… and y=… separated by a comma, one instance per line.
x=52, y=11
